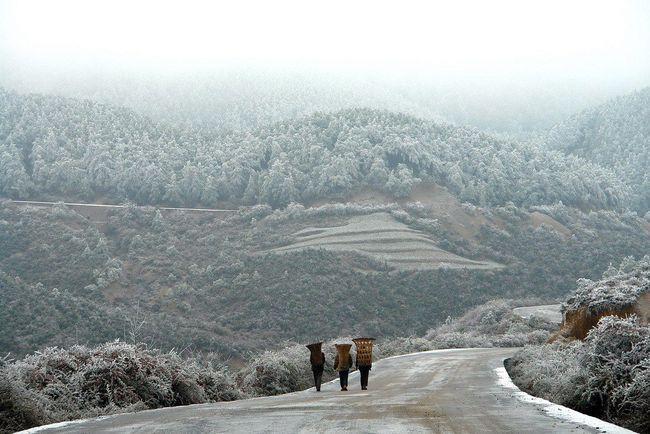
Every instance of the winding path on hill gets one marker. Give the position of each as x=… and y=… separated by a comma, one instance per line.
x=101, y=205
x=459, y=391
x=550, y=312
x=97, y=213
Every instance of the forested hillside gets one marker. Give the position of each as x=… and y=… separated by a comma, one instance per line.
x=213, y=284
x=54, y=147
x=498, y=218
x=614, y=135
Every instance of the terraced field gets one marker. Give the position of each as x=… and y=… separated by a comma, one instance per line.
x=384, y=239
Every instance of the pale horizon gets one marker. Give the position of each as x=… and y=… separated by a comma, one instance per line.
x=503, y=41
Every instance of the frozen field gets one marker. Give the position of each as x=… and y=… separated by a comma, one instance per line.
x=384, y=239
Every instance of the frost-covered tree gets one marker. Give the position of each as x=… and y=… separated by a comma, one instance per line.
x=76, y=148
x=615, y=134
x=278, y=187
x=14, y=181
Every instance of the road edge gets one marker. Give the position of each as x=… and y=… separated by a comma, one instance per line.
x=556, y=410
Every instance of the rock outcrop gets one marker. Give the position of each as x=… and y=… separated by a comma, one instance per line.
x=621, y=292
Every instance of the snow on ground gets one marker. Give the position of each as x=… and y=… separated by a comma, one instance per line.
x=555, y=410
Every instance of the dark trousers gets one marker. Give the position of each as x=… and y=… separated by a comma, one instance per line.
x=343, y=378
x=318, y=375
x=364, y=371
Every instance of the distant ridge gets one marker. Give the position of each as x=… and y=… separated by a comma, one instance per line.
x=614, y=135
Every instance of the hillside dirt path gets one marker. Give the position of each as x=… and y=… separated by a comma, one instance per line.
x=446, y=391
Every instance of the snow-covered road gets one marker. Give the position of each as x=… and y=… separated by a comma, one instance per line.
x=459, y=391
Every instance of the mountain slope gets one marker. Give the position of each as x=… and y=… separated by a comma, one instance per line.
x=615, y=135
x=58, y=147
x=179, y=279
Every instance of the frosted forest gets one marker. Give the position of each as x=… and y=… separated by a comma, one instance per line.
x=181, y=212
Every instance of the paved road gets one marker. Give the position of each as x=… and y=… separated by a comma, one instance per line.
x=101, y=205
x=438, y=391
x=552, y=312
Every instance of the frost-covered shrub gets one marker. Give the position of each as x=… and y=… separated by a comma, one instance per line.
x=418, y=209
x=618, y=361
x=58, y=384
x=520, y=339
x=276, y=372
x=283, y=371
x=459, y=340
x=607, y=375
x=557, y=211
x=397, y=346
x=256, y=212
x=110, y=273
x=61, y=211
x=492, y=324
x=553, y=372
x=19, y=407
x=617, y=290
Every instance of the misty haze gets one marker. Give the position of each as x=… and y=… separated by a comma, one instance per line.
x=372, y=216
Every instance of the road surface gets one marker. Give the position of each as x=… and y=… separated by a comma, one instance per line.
x=551, y=312
x=101, y=205
x=446, y=391
x=98, y=213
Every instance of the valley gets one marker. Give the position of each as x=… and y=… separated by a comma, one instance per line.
x=192, y=195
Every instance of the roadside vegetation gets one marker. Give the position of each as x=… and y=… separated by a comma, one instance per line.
x=62, y=384
x=607, y=375
x=58, y=384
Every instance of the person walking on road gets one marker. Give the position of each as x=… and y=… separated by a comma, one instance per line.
x=364, y=359
x=317, y=360
x=343, y=363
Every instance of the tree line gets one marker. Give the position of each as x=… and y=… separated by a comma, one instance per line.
x=57, y=147
x=614, y=135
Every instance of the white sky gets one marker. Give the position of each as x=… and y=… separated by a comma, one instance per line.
x=499, y=38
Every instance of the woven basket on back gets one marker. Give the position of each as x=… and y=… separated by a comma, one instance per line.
x=364, y=351
x=316, y=357
x=343, y=351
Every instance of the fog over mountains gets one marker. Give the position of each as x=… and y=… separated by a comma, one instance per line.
x=190, y=192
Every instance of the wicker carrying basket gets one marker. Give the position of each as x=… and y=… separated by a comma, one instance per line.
x=364, y=351
x=343, y=351
x=316, y=357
